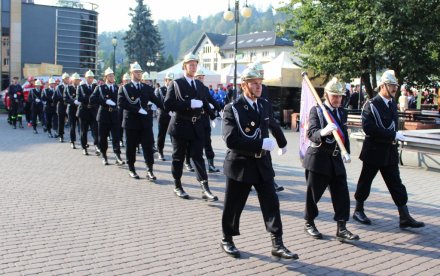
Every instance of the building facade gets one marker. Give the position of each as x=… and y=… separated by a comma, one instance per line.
x=216, y=51
x=64, y=35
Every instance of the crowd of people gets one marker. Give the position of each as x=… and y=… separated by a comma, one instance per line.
x=186, y=110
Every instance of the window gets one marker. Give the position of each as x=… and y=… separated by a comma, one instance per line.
x=265, y=53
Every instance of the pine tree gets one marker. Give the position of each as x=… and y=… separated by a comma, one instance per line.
x=142, y=41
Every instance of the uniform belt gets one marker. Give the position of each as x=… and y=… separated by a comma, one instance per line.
x=249, y=153
x=193, y=119
x=382, y=141
x=333, y=152
x=110, y=109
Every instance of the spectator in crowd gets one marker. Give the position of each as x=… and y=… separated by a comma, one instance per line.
x=411, y=100
x=403, y=99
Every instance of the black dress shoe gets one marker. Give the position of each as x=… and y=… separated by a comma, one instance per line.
x=406, y=220
x=229, y=248
x=277, y=187
x=119, y=159
x=342, y=234
x=189, y=167
x=85, y=152
x=133, y=174
x=121, y=144
x=279, y=250
x=161, y=157
x=361, y=217
x=312, y=231
x=72, y=145
x=50, y=135
x=61, y=139
x=151, y=176
x=181, y=193
x=35, y=131
x=97, y=151
x=104, y=161
x=213, y=169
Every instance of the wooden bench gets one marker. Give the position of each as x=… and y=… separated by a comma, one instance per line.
x=420, y=141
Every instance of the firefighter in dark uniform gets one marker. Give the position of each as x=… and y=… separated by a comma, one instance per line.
x=133, y=99
x=265, y=95
x=16, y=96
x=125, y=79
x=72, y=107
x=379, y=151
x=186, y=98
x=324, y=164
x=106, y=96
x=87, y=112
x=208, y=122
x=163, y=116
x=58, y=99
x=49, y=106
x=36, y=104
x=246, y=124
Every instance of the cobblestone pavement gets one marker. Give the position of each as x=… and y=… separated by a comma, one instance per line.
x=65, y=213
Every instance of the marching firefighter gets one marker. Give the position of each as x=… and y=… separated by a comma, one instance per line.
x=36, y=104
x=163, y=117
x=16, y=96
x=49, y=106
x=106, y=96
x=58, y=99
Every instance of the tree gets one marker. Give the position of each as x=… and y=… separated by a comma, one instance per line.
x=358, y=38
x=142, y=41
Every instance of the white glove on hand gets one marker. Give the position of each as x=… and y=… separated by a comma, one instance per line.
x=37, y=100
x=328, y=129
x=211, y=106
x=171, y=113
x=196, y=103
x=44, y=102
x=142, y=111
x=76, y=102
x=400, y=136
x=282, y=151
x=15, y=96
x=110, y=102
x=268, y=144
x=346, y=158
x=221, y=114
x=213, y=124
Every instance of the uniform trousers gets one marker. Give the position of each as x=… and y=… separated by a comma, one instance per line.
x=391, y=176
x=196, y=152
x=317, y=184
x=87, y=122
x=37, y=112
x=134, y=137
x=104, y=130
x=49, y=119
x=121, y=129
x=236, y=194
x=73, y=123
x=61, y=123
x=209, y=152
x=163, y=120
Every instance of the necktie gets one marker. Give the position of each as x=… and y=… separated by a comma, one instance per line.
x=90, y=87
x=137, y=86
x=255, y=107
x=193, y=85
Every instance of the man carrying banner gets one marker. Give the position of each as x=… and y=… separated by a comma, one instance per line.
x=379, y=151
x=324, y=163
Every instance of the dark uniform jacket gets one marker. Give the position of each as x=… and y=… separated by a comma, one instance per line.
x=33, y=95
x=15, y=93
x=186, y=123
x=87, y=110
x=379, y=148
x=107, y=114
x=58, y=99
x=321, y=156
x=241, y=122
x=69, y=99
x=211, y=113
x=131, y=99
x=47, y=98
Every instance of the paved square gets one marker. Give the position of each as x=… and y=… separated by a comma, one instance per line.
x=65, y=213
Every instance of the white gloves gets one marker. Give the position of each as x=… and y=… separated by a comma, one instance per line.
x=76, y=102
x=44, y=102
x=211, y=106
x=171, y=113
x=213, y=124
x=110, y=102
x=37, y=100
x=400, y=136
x=221, y=114
x=142, y=111
x=268, y=144
x=196, y=103
x=282, y=151
x=328, y=129
x=15, y=96
x=346, y=158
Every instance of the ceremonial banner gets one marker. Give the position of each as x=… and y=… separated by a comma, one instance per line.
x=307, y=101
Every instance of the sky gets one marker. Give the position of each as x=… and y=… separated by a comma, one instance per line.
x=113, y=14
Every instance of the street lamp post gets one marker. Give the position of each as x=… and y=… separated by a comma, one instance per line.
x=246, y=12
x=150, y=64
x=114, y=43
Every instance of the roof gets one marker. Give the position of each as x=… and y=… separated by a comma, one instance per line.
x=251, y=40
x=257, y=39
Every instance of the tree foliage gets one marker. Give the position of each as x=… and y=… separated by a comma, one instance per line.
x=355, y=38
x=142, y=41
